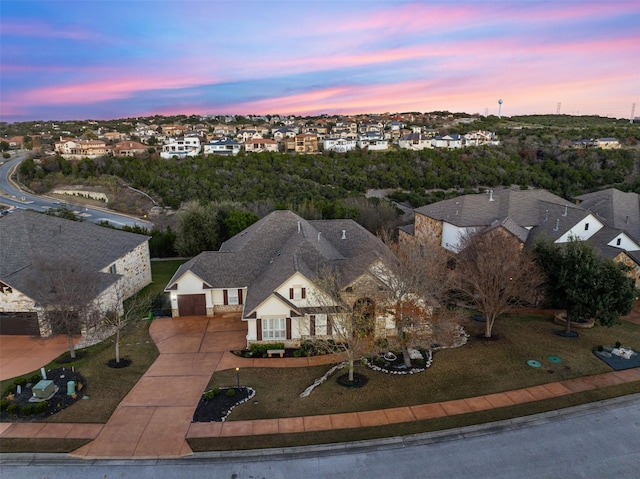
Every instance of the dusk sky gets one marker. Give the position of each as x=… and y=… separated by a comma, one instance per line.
x=94, y=59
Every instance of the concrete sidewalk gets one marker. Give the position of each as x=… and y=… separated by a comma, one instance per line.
x=154, y=420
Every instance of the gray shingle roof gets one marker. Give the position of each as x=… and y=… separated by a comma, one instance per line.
x=270, y=251
x=618, y=209
x=25, y=235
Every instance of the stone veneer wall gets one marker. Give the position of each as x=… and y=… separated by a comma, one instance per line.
x=635, y=269
x=426, y=228
x=135, y=267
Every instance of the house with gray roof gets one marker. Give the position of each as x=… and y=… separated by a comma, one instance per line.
x=116, y=263
x=610, y=220
x=272, y=273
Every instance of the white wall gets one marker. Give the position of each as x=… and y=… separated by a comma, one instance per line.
x=626, y=243
x=579, y=232
x=452, y=236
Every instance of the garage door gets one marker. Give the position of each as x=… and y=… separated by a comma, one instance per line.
x=192, y=305
x=25, y=324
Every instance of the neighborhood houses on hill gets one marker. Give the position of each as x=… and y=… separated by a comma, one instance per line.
x=113, y=266
x=609, y=220
x=272, y=271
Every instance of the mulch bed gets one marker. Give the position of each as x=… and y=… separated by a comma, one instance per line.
x=359, y=380
x=220, y=406
x=57, y=403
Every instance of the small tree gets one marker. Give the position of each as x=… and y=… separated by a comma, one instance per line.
x=418, y=283
x=493, y=273
x=350, y=325
x=584, y=284
x=135, y=307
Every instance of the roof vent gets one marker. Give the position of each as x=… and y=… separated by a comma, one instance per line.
x=546, y=215
x=491, y=195
x=566, y=210
x=627, y=220
x=319, y=235
x=344, y=234
x=298, y=227
x=557, y=225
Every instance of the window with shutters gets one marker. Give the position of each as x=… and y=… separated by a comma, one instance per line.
x=274, y=328
x=297, y=292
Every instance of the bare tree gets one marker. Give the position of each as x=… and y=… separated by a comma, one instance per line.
x=349, y=327
x=69, y=295
x=122, y=311
x=418, y=283
x=494, y=273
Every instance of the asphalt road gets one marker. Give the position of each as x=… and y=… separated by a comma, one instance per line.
x=13, y=197
x=600, y=440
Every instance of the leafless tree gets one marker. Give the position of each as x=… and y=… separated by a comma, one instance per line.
x=69, y=295
x=494, y=273
x=418, y=283
x=350, y=326
x=135, y=307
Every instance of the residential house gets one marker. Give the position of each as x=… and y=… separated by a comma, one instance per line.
x=372, y=141
x=113, y=136
x=449, y=141
x=260, y=145
x=222, y=147
x=279, y=134
x=181, y=147
x=73, y=149
x=607, y=143
x=415, y=141
x=116, y=262
x=531, y=215
x=127, y=148
x=245, y=135
x=339, y=145
x=16, y=142
x=302, y=143
x=174, y=130
x=271, y=273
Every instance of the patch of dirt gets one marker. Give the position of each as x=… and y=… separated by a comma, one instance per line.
x=124, y=362
x=359, y=380
x=57, y=403
x=217, y=408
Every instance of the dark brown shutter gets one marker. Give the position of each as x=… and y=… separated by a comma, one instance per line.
x=290, y=293
x=304, y=293
x=329, y=326
x=259, y=329
x=239, y=296
x=225, y=296
x=288, y=328
x=312, y=325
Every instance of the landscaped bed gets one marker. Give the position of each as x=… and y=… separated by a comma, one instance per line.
x=21, y=406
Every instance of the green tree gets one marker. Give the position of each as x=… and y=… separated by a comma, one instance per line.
x=4, y=146
x=587, y=286
x=237, y=221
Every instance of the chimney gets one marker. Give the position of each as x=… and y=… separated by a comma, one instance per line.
x=344, y=234
x=491, y=195
x=566, y=210
x=319, y=235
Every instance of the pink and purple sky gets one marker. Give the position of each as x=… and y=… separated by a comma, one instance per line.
x=96, y=59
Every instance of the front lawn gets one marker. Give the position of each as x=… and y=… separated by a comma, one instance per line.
x=478, y=368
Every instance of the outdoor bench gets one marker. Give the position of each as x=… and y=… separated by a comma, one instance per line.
x=271, y=352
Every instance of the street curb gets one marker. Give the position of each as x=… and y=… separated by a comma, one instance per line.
x=372, y=445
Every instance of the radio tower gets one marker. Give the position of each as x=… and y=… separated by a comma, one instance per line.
x=633, y=112
x=558, y=109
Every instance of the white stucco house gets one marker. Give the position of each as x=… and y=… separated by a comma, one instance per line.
x=115, y=265
x=181, y=147
x=270, y=273
x=224, y=146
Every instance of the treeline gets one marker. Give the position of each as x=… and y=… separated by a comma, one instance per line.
x=323, y=180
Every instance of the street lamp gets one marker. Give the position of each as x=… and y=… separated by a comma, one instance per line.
x=238, y=376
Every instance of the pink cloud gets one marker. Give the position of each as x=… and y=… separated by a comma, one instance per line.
x=40, y=29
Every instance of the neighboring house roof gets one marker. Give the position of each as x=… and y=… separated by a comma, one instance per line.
x=270, y=251
x=619, y=209
x=522, y=206
x=25, y=234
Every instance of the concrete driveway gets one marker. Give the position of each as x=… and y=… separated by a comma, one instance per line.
x=23, y=354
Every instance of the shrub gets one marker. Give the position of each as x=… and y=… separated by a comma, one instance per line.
x=35, y=378
x=297, y=353
x=261, y=349
x=231, y=392
x=12, y=409
x=4, y=404
x=22, y=382
x=10, y=390
x=600, y=348
x=618, y=344
x=216, y=391
x=42, y=407
x=27, y=410
x=208, y=395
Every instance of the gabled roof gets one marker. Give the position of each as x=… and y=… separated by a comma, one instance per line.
x=26, y=234
x=524, y=207
x=270, y=251
x=618, y=209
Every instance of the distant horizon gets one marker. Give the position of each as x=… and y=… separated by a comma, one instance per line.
x=308, y=58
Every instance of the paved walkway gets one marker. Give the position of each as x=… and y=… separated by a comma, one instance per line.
x=154, y=419
x=23, y=354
